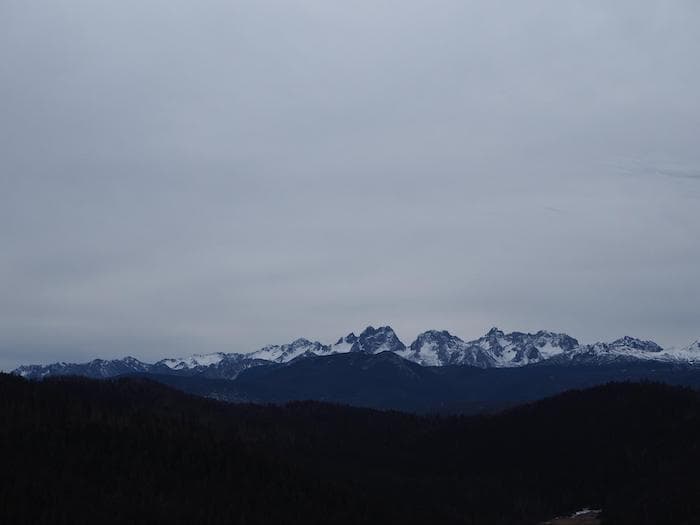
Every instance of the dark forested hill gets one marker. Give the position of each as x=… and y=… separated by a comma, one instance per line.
x=386, y=381
x=130, y=450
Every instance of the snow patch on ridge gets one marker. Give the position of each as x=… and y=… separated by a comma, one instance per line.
x=193, y=361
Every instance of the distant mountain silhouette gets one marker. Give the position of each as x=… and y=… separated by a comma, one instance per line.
x=437, y=372
x=496, y=349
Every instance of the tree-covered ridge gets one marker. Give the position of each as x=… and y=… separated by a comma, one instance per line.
x=129, y=450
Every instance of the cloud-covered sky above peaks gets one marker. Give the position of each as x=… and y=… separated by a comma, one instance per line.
x=180, y=177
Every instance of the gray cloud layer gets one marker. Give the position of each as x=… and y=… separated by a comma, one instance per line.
x=196, y=176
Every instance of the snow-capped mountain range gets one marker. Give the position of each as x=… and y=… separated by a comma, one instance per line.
x=496, y=349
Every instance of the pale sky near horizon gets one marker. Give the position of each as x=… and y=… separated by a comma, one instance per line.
x=187, y=177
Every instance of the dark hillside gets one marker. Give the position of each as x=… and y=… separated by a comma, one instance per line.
x=386, y=381
x=130, y=450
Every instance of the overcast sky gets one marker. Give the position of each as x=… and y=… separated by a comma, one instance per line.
x=194, y=176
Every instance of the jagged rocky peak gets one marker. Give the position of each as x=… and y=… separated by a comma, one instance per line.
x=435, y=337
x=287, y=352
x=437, y=348
x=621, y=350
x=303, y=343
x=540, y=338
x=494, y=349
x=519, y=348
x=345, y=344
x=350, y=339
x=193, y=361
x=495, y=332
x=636, y=344
x=130, y=360
x=563, y=341
x=374, y=340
